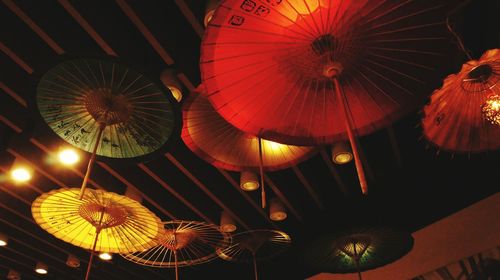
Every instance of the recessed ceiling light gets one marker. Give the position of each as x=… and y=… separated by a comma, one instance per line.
x=68, y=156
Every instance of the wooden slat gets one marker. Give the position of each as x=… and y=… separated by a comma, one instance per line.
x=14, y=95
x=197, y=26
x=16, y=58
x=145, y=31
x=334, y=172
x=308, y=186
x=87, y=27
x=204, y=188
x=31, y=24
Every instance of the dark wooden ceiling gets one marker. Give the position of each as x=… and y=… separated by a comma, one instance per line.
x=412, y=185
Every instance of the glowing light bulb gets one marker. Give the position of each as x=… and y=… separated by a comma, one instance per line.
x=41, y=268
x=105, y=256
x=20, y=174
x=491, y=109
x=176, y=93
x=68, y=157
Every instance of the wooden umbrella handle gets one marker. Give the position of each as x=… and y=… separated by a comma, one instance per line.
x=350, y=134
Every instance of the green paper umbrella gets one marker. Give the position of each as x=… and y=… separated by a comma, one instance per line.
x=358, y=249
x=105, y=108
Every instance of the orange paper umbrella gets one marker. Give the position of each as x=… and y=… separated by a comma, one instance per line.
x=309, y=72
x=182, y=243
x=218, y=142
x=255, y=245
x=463, y=115
x=101, y=221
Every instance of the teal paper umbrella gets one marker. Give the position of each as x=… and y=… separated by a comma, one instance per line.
x=106, y=108
x=357, y=249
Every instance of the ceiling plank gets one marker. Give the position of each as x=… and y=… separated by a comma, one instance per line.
x=308, y=187
x=334, y=172
x=394, y=144
x=12, y=55
x=87, y=27
x=190, y=17
x=132, y=186
x=14, y=95
x=204, y=188
x=174, y=193
x=31, y=24
x=145, y=31
x=246, y=196
x=282, y=197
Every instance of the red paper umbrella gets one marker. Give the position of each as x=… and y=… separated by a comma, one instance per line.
x=218, y=142
x=463, y=115
x=307, y=72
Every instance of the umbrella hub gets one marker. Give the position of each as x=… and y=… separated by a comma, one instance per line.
x=112, y=215
x=354, y=246
x=253, y=242
x=178, y=239
x=108, y=108
x=480, y=74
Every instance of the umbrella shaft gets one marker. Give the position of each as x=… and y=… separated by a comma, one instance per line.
x=350, y=134
x=176, y=266
x=255, y=268
x=93, y=252
x=261, y=169
x=91, y=161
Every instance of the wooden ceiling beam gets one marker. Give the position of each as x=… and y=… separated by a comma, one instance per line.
x=333, y=170
x=204, y=188
x=31, y=24
x=87, y=27
x=191, y=18
x=19, y=61
x=282, y=197
x=246, y=196
x=124, y=6
x=127, y=183
x=308, y=187
x=394, y=144
x=171, y=190
x=14, y=95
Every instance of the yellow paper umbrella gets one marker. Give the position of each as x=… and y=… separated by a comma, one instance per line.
x=182, y=243
x=255, y=245
x=101, y=221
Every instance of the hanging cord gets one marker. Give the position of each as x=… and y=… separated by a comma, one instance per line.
x=450, y=28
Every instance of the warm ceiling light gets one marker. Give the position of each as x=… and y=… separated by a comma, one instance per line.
x=249, y=181
x=68, y=156
x=227, y=223
x=106, y=256
x=210, y=7
x=20, y=174
x=4, y=240
x=491, y=109
x=277, y=211
x=169, y=80
x=176, y=93
x=41, y=268
x=341, y=153
x=13, y=275
x=73, y=261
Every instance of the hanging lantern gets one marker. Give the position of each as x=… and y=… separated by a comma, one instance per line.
x=4, y=239
x=249, y=181
x=227, y=223
x=41, y=268
x=341, y=153
x=210, y=7
x=277, y=211
x=72, y=261
x=170, y=80
x=491, y=109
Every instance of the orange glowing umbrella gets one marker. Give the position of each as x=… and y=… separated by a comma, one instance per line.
x=310, y=72
x=218, y=142
x=463, y=115
x=100, y=221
